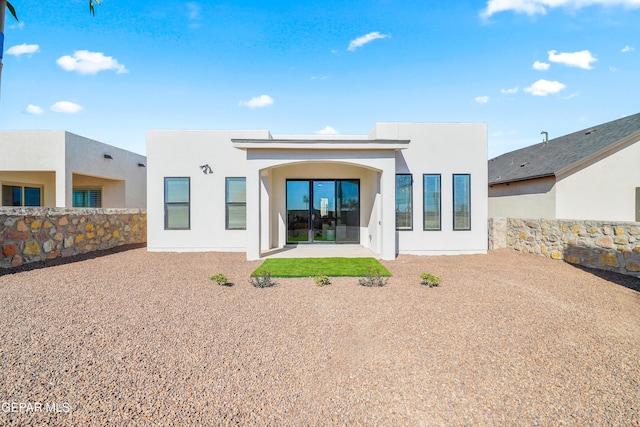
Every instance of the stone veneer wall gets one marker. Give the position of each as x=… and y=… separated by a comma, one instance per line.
x=37, y=234
x=611, y=246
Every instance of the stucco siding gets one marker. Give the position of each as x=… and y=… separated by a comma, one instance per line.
x=534, y=198
x=180, y=154
x=445, y=149
x=603, y=191
x=51, y=159
x=268, y=162
x=85, y=157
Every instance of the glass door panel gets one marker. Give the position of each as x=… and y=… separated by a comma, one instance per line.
x=323, y=215
x=298, y=225
x=348, y=211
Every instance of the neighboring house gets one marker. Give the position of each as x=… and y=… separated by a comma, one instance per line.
x=415, y=188
x=60, y=169
x=592, y=174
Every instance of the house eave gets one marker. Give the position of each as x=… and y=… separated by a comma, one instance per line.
x=320, y=144
x=526, y=178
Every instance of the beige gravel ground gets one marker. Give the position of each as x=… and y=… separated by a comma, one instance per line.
x=148, y=339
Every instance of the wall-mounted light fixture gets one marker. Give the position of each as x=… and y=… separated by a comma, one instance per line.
x=206, y=169
x=108, y=156
x=141, y=165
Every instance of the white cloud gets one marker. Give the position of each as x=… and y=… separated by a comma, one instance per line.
x=85, y=62
x=193, y=14
x=544, y=87
x=509, y=91
x=582, y=59
x=613, y=69
x=33, y=110
x=258, y=101
x=534, y=7
x=627, y=49
x=319, y=77
x=367, y=38
x=66, y=107
x=481, y=99
x=328, y=130
x=23, y=49
x=17, y=26
x=194, y=10
x=541, y=66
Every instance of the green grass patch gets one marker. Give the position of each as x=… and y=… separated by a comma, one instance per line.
x=310, y=267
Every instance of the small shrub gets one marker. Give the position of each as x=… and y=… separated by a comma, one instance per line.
x=322, y=280
x=263, y=281
x=429, y=280
x=220, y=279
x=373, y=280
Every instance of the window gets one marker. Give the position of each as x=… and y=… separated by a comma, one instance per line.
x=404, y=202
x=236, y=203
x=432, y=207
x=16, y=195
x=461, y=202
x=87, y=198
x=176, y=204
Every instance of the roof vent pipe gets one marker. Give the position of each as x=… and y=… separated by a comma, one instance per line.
x=546, y=138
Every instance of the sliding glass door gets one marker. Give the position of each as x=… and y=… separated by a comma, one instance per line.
x=323, y=211
x=348, y=211
x=323, y=216
x=298, y=230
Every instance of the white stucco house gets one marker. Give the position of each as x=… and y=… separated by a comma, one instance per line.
x=592, y=174
x=61, y=169
x=411, y=188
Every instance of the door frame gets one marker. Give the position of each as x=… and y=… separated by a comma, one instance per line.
x=310, y=228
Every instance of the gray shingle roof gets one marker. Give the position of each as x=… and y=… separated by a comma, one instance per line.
x=546, y=160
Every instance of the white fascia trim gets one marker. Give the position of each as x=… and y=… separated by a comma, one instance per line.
x=298, y=144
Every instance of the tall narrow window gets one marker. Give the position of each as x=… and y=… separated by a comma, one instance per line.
x=87, y=198
x=461, y=202
x=16, y=195
x=432, y=207
x=404, y=202
x=176, y=204
x=236, y=202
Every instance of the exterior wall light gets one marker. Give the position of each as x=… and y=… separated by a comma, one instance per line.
x=141, y=165
x=108, y=156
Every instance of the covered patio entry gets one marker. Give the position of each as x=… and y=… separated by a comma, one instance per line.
x=320, y=191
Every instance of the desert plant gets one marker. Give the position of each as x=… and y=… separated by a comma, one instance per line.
x=429, y=280
x=220, y=279
x=373, y=280
x=321, y=279
x=262, y=281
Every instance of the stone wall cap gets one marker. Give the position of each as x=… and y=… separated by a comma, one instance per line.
x=44, y=211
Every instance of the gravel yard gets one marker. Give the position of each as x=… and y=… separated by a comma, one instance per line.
x=146, y=338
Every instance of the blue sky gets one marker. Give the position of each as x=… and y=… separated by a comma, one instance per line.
x=521, y=66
